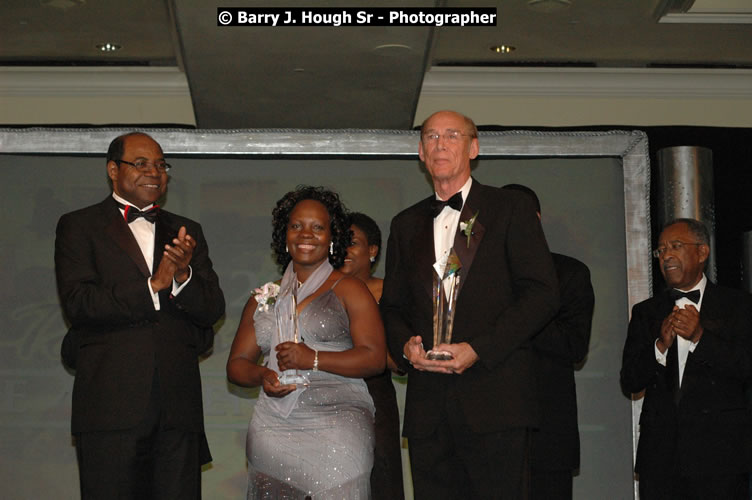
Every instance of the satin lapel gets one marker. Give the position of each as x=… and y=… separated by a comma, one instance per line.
x=711, y=318
x=163, y=235
x=467, y=253
x=664, y=309
x=425, y=254
x=672, y=372
x=711, y=314
x=117, y=229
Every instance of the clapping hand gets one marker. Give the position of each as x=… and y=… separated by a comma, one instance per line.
x=175, y=261
x=686, y=323
x=667, y=332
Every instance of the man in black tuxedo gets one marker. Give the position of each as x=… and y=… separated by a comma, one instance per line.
x=138, y=288
x=690, y=349
x=562, y=344
x=468, y=419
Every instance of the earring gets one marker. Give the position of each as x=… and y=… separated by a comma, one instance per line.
x=331, y=248
x=287, y=250
x=372, y=259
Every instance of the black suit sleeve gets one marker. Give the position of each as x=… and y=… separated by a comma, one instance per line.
x=201, y=300
x=536, y=295
x=89, y=301
x=567, y=337
x=639, y=366
x=726, y=348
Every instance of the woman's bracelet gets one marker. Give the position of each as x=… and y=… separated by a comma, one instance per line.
x=315, y=361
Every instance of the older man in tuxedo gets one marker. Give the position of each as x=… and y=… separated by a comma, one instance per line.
x=138, y=288
x=468, y=419
x=690, y=349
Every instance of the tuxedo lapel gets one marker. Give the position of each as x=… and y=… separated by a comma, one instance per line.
x=163, y=235
x=711, y=318
x=712, y=312
x=672, y=372
x=117, y=229
x=466, y=252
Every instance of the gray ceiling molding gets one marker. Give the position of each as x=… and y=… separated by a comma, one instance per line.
x=589, y=82
x=706, y=18
x=71, y=81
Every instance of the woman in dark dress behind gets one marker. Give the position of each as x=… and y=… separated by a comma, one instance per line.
x=386, y=476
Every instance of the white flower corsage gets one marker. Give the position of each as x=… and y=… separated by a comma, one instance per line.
x=266, y=295
x=467, y=227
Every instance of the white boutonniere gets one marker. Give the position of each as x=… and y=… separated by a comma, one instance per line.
x=467, y=227
x=266, y=295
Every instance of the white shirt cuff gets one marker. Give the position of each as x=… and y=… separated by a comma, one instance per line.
x=154, y=296
x=176, y=289
x=660, y=356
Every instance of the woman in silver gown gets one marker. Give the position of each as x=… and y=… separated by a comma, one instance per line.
x=314, y=440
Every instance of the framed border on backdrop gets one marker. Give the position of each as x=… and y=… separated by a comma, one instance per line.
x=631, y=147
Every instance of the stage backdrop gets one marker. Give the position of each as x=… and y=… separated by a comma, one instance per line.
x=585, y=214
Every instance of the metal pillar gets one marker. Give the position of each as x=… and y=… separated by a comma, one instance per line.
x=685, y=190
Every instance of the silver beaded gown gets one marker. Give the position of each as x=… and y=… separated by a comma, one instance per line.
x=324, y=448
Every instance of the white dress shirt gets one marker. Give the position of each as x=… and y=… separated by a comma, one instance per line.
x=683, y=346
x=144, y=232
x=445, y=225
x=444, y=229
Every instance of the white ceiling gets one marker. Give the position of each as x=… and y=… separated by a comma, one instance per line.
x=263, y=77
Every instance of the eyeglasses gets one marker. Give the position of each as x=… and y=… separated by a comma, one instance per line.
x=675, y=246
x=452, y=136
x=142, y=165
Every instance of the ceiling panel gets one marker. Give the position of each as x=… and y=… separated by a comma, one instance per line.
x=359, y=77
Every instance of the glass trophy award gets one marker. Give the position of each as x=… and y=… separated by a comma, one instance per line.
x=292, y=376
x=446, y=282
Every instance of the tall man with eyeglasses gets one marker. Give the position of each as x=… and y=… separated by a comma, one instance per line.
x=468, y=419
x=690, y=349
x=138, y=289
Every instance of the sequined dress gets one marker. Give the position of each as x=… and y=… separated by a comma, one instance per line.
x=324, y=448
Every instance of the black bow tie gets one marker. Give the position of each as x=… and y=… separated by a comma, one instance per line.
x=454, y=202
x=132, y=213
x=694, y=295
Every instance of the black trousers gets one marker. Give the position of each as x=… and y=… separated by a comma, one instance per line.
x=456, y=463
x=148, y=461
x=551, y=485
x=672, y=487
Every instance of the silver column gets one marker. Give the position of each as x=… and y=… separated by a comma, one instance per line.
x=685, y=190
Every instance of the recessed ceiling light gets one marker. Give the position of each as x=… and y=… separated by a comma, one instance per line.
x=549, y=5
x=503, y=49
x=109, y=47
x=63, y=4
x=392, y=49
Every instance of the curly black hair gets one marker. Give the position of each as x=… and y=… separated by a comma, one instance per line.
x=339, y=227
x=370, y=229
